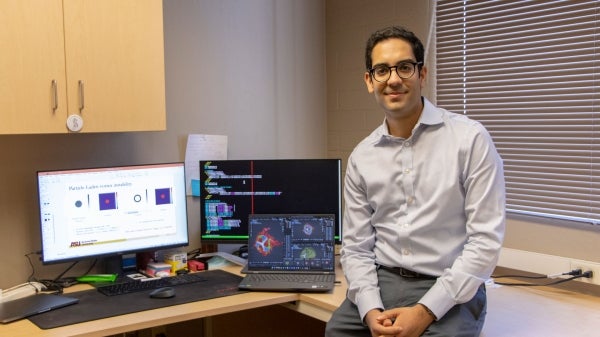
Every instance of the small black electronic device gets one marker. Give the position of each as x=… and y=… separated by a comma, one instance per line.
x=166, y=292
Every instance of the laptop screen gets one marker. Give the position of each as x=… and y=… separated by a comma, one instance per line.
x=291, y=242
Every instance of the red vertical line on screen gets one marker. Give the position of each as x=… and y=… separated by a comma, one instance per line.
x=252, y=187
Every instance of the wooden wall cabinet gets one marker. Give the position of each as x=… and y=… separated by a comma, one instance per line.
x=100, y=60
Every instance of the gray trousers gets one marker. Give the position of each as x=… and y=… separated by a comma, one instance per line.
x=463, y=320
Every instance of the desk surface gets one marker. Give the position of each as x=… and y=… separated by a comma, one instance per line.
x=512, y=311
x=318, y=306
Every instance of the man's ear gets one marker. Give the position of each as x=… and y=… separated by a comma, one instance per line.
x=369, y=82
x=423, y=76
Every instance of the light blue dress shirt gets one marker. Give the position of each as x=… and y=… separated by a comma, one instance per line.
x=433, y=203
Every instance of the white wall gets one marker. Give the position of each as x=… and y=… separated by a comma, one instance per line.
x=250, y=70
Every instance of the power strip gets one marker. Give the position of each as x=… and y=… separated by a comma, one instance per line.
x=21, y=290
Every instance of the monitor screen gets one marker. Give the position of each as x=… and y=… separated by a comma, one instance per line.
x=231, y=190
x=289, y=242
x=95, y=212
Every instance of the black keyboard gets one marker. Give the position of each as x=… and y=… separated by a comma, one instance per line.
x=135, y=286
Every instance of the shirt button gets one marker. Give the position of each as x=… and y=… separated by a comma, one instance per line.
x=410, y=200
x=405, y=252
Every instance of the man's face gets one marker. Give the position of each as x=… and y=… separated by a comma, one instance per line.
x=399, y=98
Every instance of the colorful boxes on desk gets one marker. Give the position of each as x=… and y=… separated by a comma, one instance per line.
x=158, y=269
x=177, y=260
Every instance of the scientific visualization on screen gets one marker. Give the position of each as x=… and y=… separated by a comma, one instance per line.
x=231, y=190
x=290, y=243
x=101, y=211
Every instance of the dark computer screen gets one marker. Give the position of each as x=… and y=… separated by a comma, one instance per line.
x=109, y=211
x=231, y=190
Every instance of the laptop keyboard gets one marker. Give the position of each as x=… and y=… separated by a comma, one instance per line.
x=291, y=278
x=135, y=286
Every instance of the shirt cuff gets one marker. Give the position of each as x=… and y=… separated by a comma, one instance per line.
x=437, y=301
x=367, y=301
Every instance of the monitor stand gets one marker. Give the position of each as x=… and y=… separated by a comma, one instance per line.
x=123, y=264
x=112, y=265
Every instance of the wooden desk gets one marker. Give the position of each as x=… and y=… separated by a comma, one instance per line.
x=512, y=311
x=318, y=306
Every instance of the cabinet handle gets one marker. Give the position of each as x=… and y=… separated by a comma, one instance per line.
x=81, y=101
x=54, y=96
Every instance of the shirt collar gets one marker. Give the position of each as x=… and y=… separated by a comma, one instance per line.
x=429, y=116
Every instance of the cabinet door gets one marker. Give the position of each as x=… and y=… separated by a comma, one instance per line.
x=32, y=57
x=115, y=64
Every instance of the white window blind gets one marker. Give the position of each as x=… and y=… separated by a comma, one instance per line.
x=530, y=72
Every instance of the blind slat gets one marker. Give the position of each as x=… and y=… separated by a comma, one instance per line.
x=529, y=71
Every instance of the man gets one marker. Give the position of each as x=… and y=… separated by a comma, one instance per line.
x=424, y=208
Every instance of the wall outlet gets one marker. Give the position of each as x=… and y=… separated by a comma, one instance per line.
x=547, y=264
x=585, y=266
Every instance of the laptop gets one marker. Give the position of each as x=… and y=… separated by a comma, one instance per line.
x=290, y=252
x=31, y=305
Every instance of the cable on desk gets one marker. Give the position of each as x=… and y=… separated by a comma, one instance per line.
x=539, y=285
x=574, y=272
x=28, y=256
x=57, y=284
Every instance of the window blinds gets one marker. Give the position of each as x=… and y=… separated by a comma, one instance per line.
x=530, y=72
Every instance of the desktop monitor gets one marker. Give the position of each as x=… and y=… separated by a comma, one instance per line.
x=231, y=190
x=110, y=211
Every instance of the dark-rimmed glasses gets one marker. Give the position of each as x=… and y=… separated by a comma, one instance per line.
x=382, y=73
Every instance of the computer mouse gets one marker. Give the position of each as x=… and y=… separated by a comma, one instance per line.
x=166, y=292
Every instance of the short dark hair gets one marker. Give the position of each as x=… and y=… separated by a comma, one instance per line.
x=394, y=32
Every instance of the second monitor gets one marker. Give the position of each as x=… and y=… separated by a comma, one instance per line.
x=231, y=190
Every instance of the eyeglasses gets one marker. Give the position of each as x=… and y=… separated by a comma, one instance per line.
x=382, y=72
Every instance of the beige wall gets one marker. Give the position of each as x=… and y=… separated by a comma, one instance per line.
x=353, y=114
